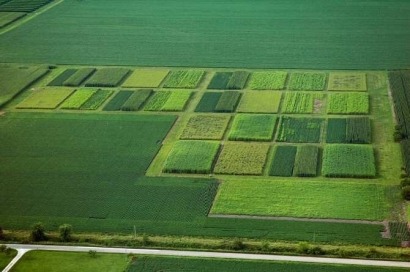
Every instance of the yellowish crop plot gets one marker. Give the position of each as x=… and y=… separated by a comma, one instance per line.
x=347, y=81
x=260, y=102
x=45, y=98
x=206, y=127
x=146, y=78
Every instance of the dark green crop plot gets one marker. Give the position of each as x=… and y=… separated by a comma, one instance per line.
x=307, y=160
x=356, y=130
x=7, y=18
x=97, y=99
x=23, y=5
x=107, y=77
x=61, y=78
x=220, y=80
x=208, y=102
x=336, y=130
x=136, y=100
x=300, y=130
x=228, y=101
x=283, y=161
x=118, y=100
x=79, y=77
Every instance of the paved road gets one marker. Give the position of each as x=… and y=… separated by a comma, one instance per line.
x=23, y=248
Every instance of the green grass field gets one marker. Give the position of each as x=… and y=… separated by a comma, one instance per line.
x=156, y=33
x=6, y=259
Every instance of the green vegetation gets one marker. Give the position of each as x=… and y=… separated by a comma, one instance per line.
x=168, y=101
x=299, y=102
x=208, y=102
x=252, y=127
x=45, y=99
x=242, y=159
x=238, y=80
x=206, y=127
x=336, y=130
x=191, y=157
x=62, y=77
x=268, y=80
x=348, y=103
x=107, y=77
x=300, y=130
x=355, y=130
x=23, y=5
x=283, y=161
x=307, y=160
x=117, y=101
x=7, y=18
x=314, y=199
x=228, y=101
x=79, y=77
x=260, y=102
x=347, y=81
x=37, y=261
x=184, y=79
x=98, y=98
x=349, y=161
x=77, y=99
x=13, y=80
x=145, y=78
x=136, y=100
x=220, y=80
x=6, y=255
x=307, y=81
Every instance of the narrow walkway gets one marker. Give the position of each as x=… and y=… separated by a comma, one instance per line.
x=20, y=253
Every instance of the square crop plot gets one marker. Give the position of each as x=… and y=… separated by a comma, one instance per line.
x=253, y=127
x=45, y=99
x=356, y=130
x=98, y=98
x=307, y=81
x=206, y=127
x=196, y=157
x=348, y=103
x=260, y=102
x=145, y=78
x=184, y=79
x=300, y=130
x=343, y=81
x=168, y=101
x=208, y=102
x=242, y=159
x=220, y=80
x=77, y=99
x=300, y=102
x=107, y=77
x=349, y=161
x=268, y=80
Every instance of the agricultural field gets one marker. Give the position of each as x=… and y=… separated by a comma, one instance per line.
x=228, y=101
x=145, y=78
x=355, y=130
x=268, y=80
x=307, y=161
x=118, y=101
x=7, y=18
x=208, y=102
x=307, y=81
x=175, y=100
x=205, y=127
x=252, y=127
x=348, y=103
x=184, y=79
x=47, y=98
x=136, y=100
x=344, y=81
x=62, y=77
x=23, y=5
x=79, y=77
x=78, y=99
x=260, y=102
x=98, y=98
x=283, y=161
x=107, y=77
x=300, y=130
x=300, y=102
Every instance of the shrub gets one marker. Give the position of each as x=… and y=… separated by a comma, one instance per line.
x=1, y=233
x=92, y=253
x=65, y=232
x=38, y=232
x=405, y=191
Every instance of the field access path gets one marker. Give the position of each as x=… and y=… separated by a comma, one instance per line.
x=23, y=248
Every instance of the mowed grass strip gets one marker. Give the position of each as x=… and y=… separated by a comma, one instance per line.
x=300, y=102
x=312, y=199
x=188, y=79
x=349, y=161
x=220, y=80
x=136, y=100
x=107, y=77
x=146, y=78
x=79, y=77
x=208, y=102
x=253, y=127
x=98, y=98
x=45, y=98
x=77, y=99
x=117, y=101
x=307, y=81
x=228, y=101
x=347, y=81
x=267, y=80
x=348, y=103
x=260, y=102
x=307, y=161
x=283, y=161
x=206, y=127
x=242, y=159
x=300, y=130
x=195, y=157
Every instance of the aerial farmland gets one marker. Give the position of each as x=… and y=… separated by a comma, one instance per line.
x=274, y=127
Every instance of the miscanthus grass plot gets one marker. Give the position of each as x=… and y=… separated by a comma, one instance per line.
x=267, y=80
x=168, y=101
x=307, y=81
x=347, y=81
x=206, y=127
x=146, y=78
x=77, y=99
x=355, y=130
x=208, y=102
x=299, y=102
x=184, y=79
x=136, y=100
x=307, y=161
x=195, y=157
x=107, y=77
x=228, y=101
x=348, y=103
x=260, y=102
x=352, y=161
x=97, y=99
x=45, y=99
x=300, y=130
x=242, y=159
x=283, y=161
x=253, y=127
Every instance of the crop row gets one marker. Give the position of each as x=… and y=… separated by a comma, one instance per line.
x=23, y=5
x=355, y=130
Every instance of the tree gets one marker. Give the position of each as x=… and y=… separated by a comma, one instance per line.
x=406, y=192
x=38, y=232
x=65, y=232
x=1, y=234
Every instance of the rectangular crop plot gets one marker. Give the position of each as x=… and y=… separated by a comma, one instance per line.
x=195, y=157
x=348, y=103
x=45, y=99
x=7, y=18
x=184, y=79
x=253, y=127
x=238, y=80
x=242, y=159
x=168, y=101
x=117, y=101
x=206, y=127
x=61, y=78
x=307, y=81
x=145, y=78
x=98, y=98
x=283, y=161
x=353, y=161
x=23, y=5
x=79, y=77
x=208, y=102
x=299, y=102
x=228, y=101
x=220, y=80
x=107, y=77
x=136, y=100
x=307, y=161
x=77, y=99
x=300, y=130
x=268, y=80
x=260, y=102
x=355, y=130
x=345, y=81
